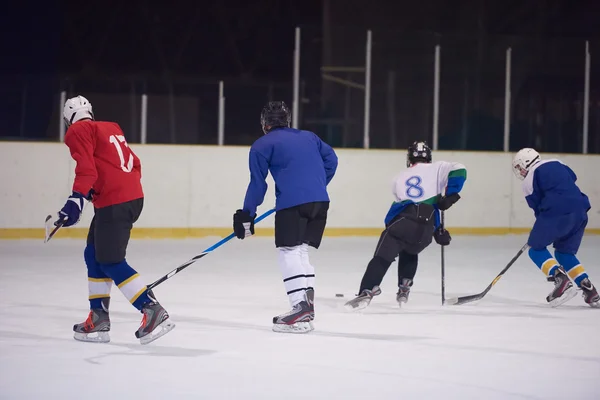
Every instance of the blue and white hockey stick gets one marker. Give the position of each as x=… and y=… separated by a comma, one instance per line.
x=205, y=252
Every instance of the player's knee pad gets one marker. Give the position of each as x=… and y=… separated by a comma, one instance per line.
x=539, y=255
x=118, y=272
x=107, y=256
x=380, y=264
x=408, y=259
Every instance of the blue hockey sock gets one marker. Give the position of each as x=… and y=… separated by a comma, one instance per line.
x=129, y=282
x=572, y=265
x=544, y=260
x=99, y=284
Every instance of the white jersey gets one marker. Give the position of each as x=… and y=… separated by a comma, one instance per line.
x=422, y=183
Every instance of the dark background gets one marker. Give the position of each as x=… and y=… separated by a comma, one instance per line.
x=176, y=52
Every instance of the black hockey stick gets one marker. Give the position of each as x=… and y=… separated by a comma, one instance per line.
x=205, y=252
x=443, y=268
x=475, y=297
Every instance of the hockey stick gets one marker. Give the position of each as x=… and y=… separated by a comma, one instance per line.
x=443, y=268
x=205, y=252
x=51, y=229
x=475, y=297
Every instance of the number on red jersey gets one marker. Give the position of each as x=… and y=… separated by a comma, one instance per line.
x=118, y=141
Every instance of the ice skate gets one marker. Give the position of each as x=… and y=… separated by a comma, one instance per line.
x=403, y=291
x=590, y=294
x=310, y=299
x=155, y=323
x=96, y=327
x=363, y=299
x=563, y=288
x=298, y=320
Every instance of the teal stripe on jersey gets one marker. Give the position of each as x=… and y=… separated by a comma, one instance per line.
x=458, y=173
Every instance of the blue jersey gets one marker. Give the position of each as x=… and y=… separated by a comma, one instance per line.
x=550, y=190
x=302, y=166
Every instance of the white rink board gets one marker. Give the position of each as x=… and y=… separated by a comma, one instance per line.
x=201, y=186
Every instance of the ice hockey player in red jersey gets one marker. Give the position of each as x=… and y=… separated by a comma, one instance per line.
x=108, y=173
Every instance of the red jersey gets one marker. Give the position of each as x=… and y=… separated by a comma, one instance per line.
x=105, y=163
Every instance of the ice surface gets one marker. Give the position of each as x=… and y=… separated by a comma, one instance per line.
x=510, y=345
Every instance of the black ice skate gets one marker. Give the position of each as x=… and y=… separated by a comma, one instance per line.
x=155, y=322
x=403, y=291
x=590, y=294
x=96, y=327
x=363, y=299
x=298, y=320
x=563, y=288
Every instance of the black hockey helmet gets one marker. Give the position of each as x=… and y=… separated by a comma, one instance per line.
x=275, y=114
x=418, y=152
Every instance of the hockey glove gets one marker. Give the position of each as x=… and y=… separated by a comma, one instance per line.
x=70, y=214
x=243, y=224
x=445, y=202
x=442, y=237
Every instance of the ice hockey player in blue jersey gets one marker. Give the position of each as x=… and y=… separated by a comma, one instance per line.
x=560, y=210
x=412, y=222
x=302, y=165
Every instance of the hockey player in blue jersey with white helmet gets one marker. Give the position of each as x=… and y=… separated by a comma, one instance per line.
x=302, y=166
x=560, y=210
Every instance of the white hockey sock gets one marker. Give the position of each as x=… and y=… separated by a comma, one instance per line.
x=292, y=272
x=309, y=270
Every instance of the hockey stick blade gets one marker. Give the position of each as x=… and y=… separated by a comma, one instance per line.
x=479, y=296
x=205, y=252
x=51, y=229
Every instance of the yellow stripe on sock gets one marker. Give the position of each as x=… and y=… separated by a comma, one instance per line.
x=98, y=296
x=126, y=281
x=547, y=266
x=99, y=279
x=576, y=271
x=138, y=294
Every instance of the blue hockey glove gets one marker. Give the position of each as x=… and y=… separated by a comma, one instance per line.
x=243, y=224
x=70, y=214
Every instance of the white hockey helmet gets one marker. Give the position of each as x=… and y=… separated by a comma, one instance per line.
x=77, y=108
x=523, y=161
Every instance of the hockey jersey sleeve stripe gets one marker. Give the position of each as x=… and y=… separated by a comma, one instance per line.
x=456, y=181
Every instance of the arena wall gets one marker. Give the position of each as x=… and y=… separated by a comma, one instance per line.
x=192, y=191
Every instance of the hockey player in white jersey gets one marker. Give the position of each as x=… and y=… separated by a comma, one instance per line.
x=412, y=222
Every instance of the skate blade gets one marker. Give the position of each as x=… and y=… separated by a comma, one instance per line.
x=567, y=295
x=162, y=329
x=298, y=327
x=354, y=305
x=93, y=337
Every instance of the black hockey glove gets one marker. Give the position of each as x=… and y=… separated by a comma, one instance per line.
x=445, y=202
x=442, y=237
x=243, y=224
